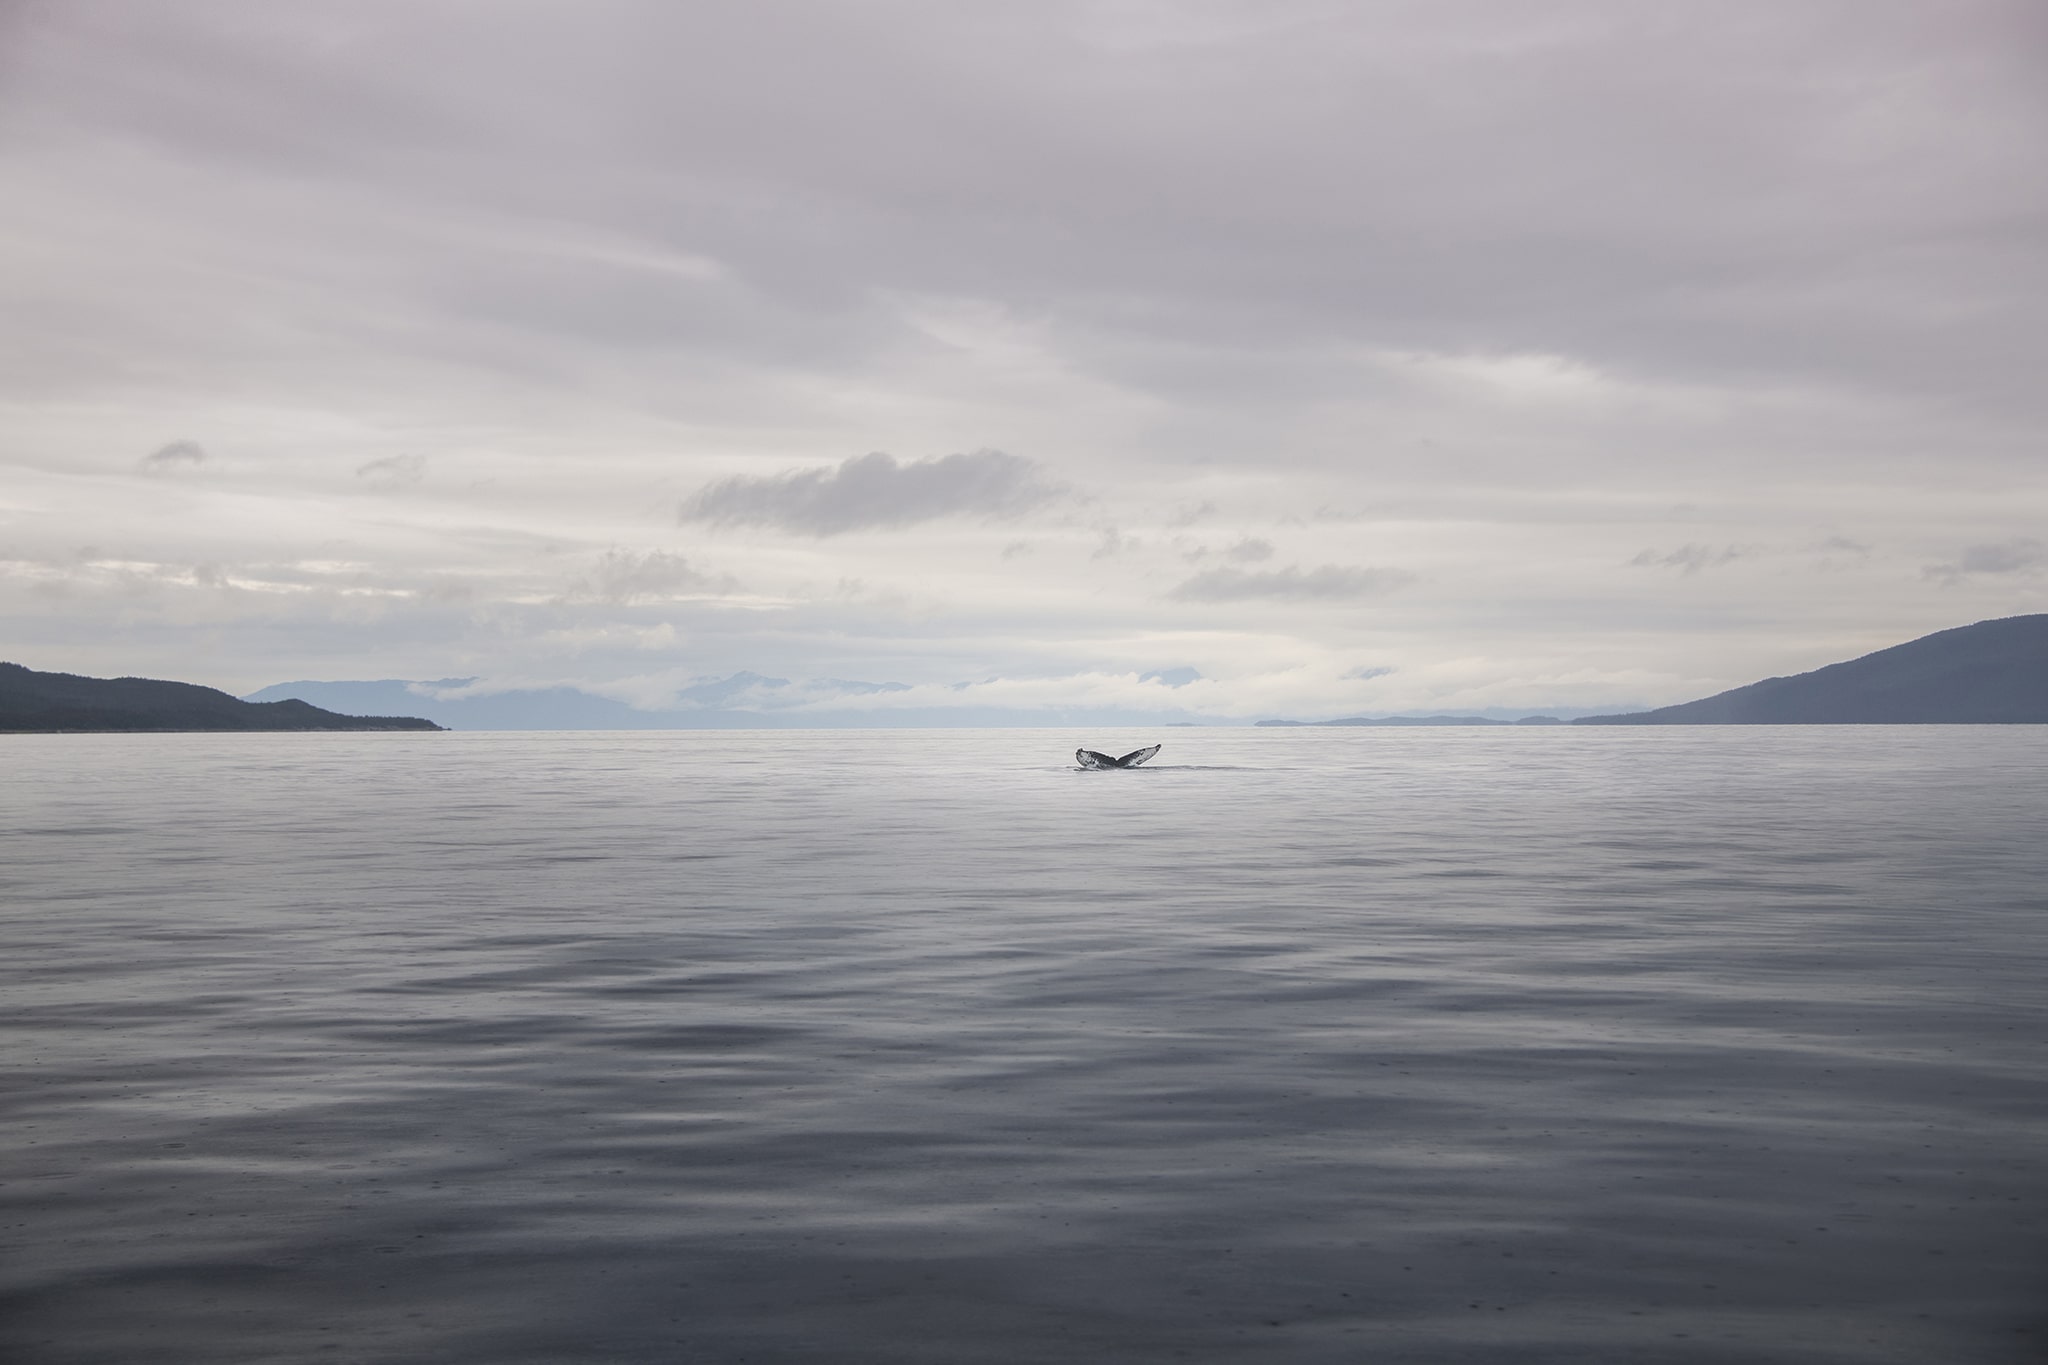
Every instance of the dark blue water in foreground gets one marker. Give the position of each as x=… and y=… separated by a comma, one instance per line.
x=1688, y=1045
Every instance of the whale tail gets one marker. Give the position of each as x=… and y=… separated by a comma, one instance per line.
x=1088, y=758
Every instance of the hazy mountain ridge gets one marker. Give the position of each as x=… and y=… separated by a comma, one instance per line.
x=1397, y=721
x=1990, y=673
x=549, y=708
x=34, y=702
x=765, y=703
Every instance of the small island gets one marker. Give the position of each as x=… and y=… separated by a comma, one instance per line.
x=64, y=703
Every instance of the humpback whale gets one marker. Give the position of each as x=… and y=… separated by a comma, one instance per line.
x=1088, y=758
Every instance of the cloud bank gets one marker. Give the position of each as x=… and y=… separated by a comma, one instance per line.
x=531, y=342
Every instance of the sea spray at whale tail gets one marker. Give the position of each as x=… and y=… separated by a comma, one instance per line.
x=1088, y=758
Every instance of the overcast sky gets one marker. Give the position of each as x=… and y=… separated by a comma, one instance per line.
x=1361, y=357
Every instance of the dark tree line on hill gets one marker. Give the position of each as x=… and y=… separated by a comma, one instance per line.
x=32, y=702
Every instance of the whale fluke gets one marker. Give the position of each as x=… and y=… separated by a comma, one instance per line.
x=1088, y=758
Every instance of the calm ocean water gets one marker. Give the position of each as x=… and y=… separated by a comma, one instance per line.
x=1685, y=1045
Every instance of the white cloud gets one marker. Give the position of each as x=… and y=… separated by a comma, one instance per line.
x=1526, y=377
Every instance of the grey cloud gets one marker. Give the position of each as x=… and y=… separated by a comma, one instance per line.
x=1330, y=582
x=1366, y=674
x=623, y=577
x=393, y=471
x=1690, y=558
x=1172, y=677
x=1113, y=543
x=874, y=492
x=176, y=455
x=2005, y=558
x=1838, y=553
x=1841, y=545
x=2023, y=554
x=1251, y=550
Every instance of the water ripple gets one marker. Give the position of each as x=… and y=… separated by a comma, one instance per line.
x=1401, y=1046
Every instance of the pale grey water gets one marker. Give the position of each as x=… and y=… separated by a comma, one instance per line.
x=1687, y=1045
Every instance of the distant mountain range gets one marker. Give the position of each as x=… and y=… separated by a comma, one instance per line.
x=1991, y=673
x=445, y=701
x=742, y=701
x=32, y=702
x=1415, y=720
